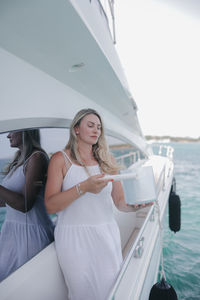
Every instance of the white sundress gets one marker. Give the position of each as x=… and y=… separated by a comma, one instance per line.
x=23, y=235
x=87, y=239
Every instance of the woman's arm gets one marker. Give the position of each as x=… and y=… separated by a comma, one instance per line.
x=35, y=177
x=35, y=172
x=13, y=199
x=55, y=199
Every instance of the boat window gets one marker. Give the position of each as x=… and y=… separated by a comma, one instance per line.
x=124, y=153
x=54, y=139
x=25, y=226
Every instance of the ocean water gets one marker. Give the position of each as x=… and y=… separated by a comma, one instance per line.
x=182, y=250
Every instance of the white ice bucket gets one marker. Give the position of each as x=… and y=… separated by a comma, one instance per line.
x=141, y=188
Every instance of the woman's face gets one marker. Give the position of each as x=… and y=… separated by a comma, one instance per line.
x=15, y=139
x=89, y=129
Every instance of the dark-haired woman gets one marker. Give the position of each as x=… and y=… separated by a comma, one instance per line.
x=27, y=228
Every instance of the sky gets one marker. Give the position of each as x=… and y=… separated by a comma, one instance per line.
x=159, y=48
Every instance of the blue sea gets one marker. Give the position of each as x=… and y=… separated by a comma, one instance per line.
x=182, y=250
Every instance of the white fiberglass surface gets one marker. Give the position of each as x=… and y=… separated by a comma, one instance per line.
x=30, y=32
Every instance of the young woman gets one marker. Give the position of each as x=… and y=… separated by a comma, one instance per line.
x=86, y=235
x=27, y=228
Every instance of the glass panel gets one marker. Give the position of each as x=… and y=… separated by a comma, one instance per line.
x=12, y=203
x=54, y=139
x=39, y=227
x=25, y=226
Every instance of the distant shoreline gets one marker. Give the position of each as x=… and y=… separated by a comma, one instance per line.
x=172, y=139
x=159, y=139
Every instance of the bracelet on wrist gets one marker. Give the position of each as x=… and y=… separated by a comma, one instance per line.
x=79, y=190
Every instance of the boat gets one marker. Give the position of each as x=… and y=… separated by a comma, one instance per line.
x=56, y=58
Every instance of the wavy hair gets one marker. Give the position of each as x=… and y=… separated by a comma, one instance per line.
x=100, y=150
x=31, y=142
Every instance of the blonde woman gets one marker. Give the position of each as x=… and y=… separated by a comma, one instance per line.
x=86, y=236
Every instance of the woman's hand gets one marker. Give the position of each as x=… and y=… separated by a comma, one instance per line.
x=136, y=207
x=94, y=184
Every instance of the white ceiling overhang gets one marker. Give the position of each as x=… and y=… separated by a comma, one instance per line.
x=40, y=42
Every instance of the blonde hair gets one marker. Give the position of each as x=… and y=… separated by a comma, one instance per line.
x=31, y=142
x=99, y=150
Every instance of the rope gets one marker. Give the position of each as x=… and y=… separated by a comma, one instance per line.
x=162, y=272
x=111, y=5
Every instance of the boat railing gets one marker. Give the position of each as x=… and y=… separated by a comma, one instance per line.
x=165, y=150
x=132, y=156
x=108, y=5
x=160, y=185
x=136, y=157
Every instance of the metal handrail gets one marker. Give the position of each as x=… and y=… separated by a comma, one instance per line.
x=161, y=180
x=102, y=9
x=134, y=155
x=111, y=6
x=169, y=150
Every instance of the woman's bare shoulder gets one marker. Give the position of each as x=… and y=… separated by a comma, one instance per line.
x=58, y=162
x=57, y=157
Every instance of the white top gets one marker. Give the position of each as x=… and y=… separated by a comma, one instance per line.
x=87, y=239
x=88, y=209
